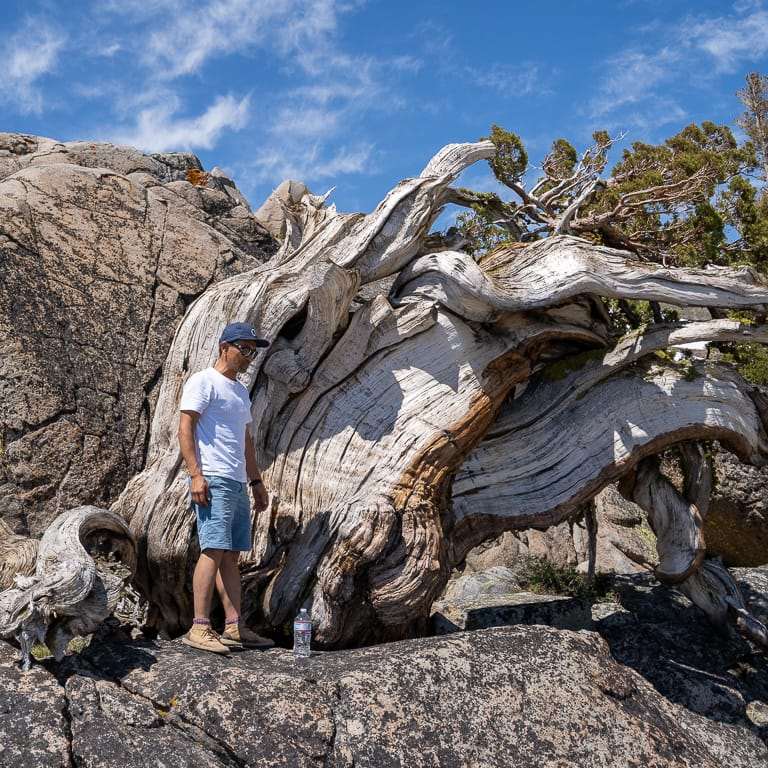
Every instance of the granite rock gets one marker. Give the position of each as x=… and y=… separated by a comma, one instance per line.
x=658, y=688
x=102, y=249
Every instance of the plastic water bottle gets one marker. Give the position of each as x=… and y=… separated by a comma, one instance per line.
x=302, y=635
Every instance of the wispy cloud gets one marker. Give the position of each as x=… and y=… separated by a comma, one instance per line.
x=633, y=76
x=28, y=55
x=192, y=33
x=311, y=135
x=643, y=86
x=510, y=79
x=310, y=164
x=305, y=129
x=731, y=41
x=158, y=128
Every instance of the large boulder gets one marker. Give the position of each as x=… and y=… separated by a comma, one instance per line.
x=102, y=248
x=625, y=541
x=33, y=716
x=654, y=685
x=523, y=696
x=708, y=670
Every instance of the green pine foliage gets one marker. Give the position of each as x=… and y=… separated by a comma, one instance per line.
x=698, y=198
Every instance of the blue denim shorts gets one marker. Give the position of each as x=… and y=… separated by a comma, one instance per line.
x=225, y=523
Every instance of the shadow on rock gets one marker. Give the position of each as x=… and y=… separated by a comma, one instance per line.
x=706, y=669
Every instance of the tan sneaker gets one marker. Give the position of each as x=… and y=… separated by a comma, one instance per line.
x=239, y=636
x=202, y=637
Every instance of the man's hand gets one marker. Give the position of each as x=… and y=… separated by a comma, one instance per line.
x=260, y=497
x=199, y=490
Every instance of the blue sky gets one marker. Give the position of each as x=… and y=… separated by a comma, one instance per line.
x=357, y=94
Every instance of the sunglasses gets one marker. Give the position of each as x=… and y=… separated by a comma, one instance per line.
x=249, y=352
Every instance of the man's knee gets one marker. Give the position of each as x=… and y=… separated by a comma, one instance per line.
x=214, y=554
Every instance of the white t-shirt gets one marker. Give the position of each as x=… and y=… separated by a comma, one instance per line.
x=225, y=410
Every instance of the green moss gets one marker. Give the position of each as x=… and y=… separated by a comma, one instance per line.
x=645, y=532
x=561, y=368
x=40, y=651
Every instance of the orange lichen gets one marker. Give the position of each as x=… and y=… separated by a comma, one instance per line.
x=196, y=177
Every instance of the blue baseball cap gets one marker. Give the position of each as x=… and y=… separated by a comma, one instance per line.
x=242, y=332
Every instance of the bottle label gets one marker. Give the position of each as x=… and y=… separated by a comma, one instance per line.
x=302, y=626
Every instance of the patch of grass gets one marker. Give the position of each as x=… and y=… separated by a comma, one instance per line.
x=41, y=651
x=543, y=577
x=751, y=361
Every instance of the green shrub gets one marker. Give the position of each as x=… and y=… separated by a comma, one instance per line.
x=543, y=577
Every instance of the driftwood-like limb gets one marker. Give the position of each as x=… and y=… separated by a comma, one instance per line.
x=698, y=474
x=675, y=521
x=590, y=519
x=17, y=556
x=540, y=461
x=713, y=589
x=83, y=560
x=559, y=268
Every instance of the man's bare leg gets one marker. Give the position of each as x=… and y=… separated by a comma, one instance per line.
x=236, y=634
x=203, y=580
x=228, y=586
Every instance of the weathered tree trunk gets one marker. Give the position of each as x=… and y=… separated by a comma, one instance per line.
x=366, y=408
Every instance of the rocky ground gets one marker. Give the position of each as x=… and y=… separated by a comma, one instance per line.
x=649, y=683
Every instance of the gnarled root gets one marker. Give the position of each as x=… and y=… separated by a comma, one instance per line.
x=680, y=543
x=17, y=556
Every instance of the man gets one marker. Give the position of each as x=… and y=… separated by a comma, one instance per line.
x=218, y=452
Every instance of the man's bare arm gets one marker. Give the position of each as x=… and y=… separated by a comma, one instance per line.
x=187, y=424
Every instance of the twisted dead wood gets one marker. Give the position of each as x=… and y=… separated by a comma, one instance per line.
x=83, y=560
x=365, y=408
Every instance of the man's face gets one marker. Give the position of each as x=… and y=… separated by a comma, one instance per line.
x=242, y=353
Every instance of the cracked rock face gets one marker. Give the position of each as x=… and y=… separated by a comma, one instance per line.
x=34, y=730
x=655, y=685
x=102, y=248
x=736, y=527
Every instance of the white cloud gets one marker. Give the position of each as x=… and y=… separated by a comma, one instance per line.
x=191, y=33
x=309, y=130
x=632, y=77
x=312, y=121
x=29, y=55
x=108, y=50
x=510, y=80
x=630, y=93
x=158, y=129
x=730, y=40
x=289, y=160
